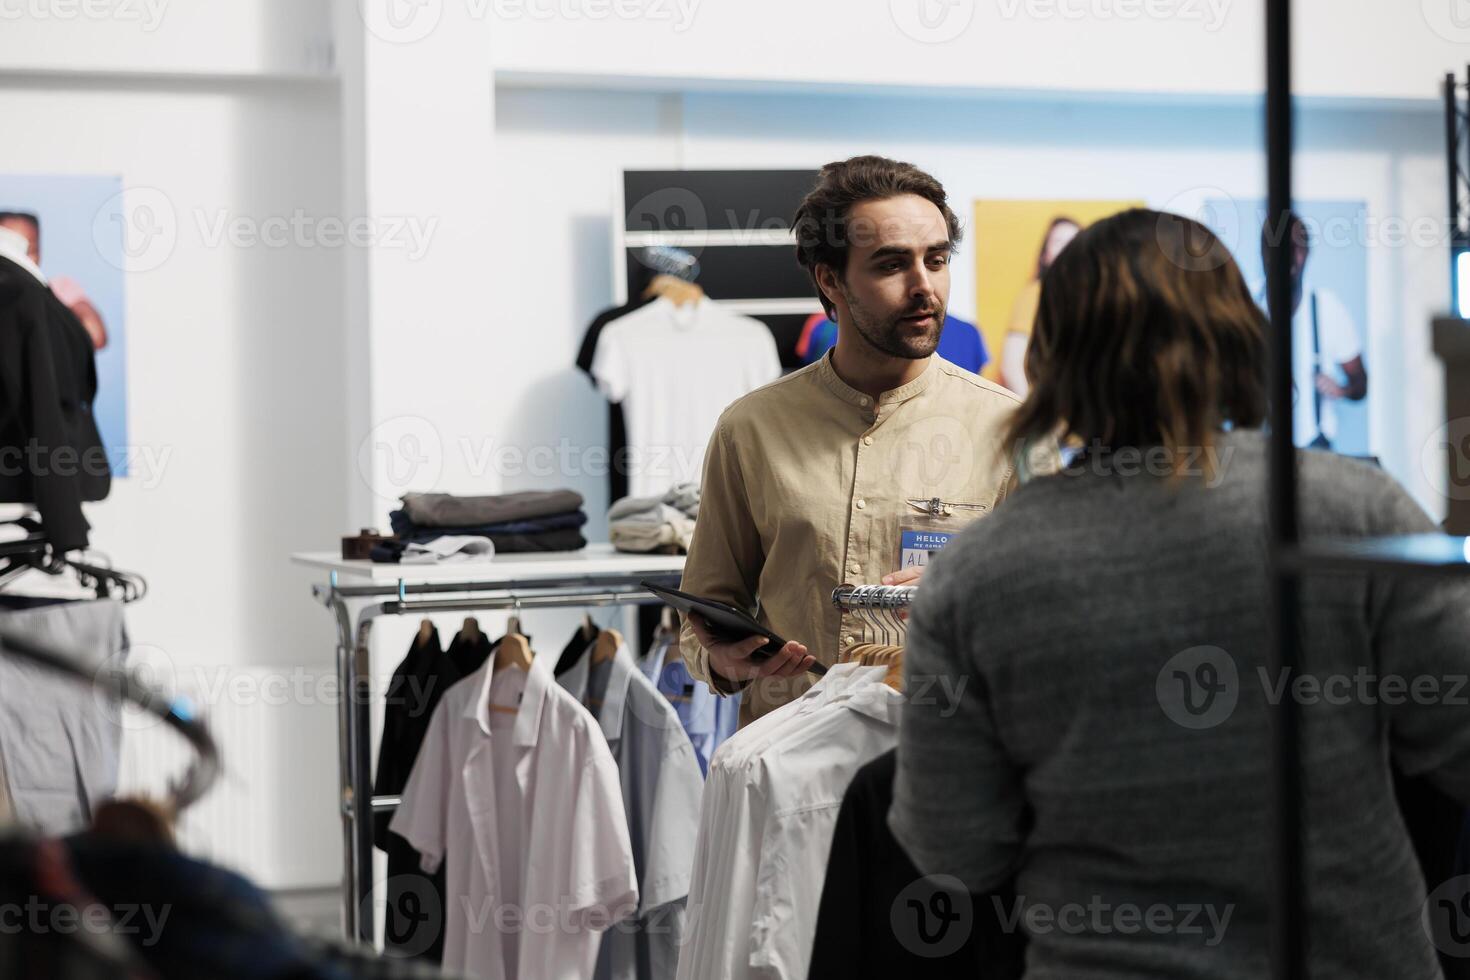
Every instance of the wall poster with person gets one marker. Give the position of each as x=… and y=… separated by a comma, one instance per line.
x=1330, y=327
x=71, y=226
x=1015, y=241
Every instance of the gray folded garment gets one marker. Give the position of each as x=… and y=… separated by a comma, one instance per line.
x=448, y=510
x=651, y=528
x=683, y=497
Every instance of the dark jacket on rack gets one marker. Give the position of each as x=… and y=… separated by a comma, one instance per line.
x=51, y=454
x=414, y=919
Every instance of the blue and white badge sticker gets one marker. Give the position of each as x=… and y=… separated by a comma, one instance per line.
x=916, y=546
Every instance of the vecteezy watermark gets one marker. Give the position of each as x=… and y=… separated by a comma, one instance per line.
x=1244, y=223
x=408, y=452
x=1209, y=463
x=409, y=21
x=38, y=916
x=1098, y=917
x=1200, y=688
x=147, y=14
x=932, y=21
x=145, y=464
x=138, y=230
x=408, y=233
x=1211, y=14
x=1446, y=917
x=1449, y=446
x=1450, y=19
x=933, y=916
x=399, y=455
x=142, y=221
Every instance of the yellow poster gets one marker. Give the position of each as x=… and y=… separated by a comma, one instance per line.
x=1014, y=243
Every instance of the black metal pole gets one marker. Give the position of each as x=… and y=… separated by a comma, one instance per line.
x=1452, y=151
x=1288, y=923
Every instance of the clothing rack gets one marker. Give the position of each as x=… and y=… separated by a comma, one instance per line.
x=853, y=597
x=594, y=577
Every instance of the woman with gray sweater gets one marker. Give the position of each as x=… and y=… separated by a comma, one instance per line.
x=1106, y=630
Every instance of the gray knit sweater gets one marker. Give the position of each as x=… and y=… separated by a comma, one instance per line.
x=1110, y=741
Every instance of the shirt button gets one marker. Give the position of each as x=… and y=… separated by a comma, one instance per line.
x=867, y=440
x=863, y=402
x=855, y=568
x=861, y=504
x=847, y=640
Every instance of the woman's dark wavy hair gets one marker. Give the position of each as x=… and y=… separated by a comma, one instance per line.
x=1146, y=335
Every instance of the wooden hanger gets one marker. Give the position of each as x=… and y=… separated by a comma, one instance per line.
x=514, y=652
x=674, y=289
x=589, y=628
x=606, y=646
x=886, y=656
x=426, y=630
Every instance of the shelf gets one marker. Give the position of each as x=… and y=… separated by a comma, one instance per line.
x=594, y=560
x=1411, y=554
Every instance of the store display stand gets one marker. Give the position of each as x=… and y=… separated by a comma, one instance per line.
x=358, y=592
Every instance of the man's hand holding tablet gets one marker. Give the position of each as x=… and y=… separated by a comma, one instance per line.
x=734, y=660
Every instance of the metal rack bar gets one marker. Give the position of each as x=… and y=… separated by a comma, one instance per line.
x=873, y=596
x=354, y=673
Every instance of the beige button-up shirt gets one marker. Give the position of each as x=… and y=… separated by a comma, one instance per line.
x=809, y=484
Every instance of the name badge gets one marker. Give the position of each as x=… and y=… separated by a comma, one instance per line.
x=916, y=546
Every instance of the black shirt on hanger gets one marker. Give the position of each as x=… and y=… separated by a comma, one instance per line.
x=573, y=651
x=414, y=919
x=879, y=917
x=617, y=436
x=468, y=654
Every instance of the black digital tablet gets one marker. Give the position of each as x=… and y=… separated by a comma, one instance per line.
x=730, y=625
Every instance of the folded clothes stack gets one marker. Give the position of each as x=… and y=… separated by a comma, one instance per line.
x=535, y=520
x=664, y=524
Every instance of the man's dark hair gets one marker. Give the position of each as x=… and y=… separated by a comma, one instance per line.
x=821, y=222
x=1294, y=231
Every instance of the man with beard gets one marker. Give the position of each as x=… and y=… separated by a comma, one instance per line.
x=859, y=466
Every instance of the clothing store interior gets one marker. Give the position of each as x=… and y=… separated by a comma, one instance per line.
x=697, y=489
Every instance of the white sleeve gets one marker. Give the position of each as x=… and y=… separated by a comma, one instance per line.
x=672, y=827
x=609, y=366
x=422, y=813
x=1337, y=332
x=604, y=885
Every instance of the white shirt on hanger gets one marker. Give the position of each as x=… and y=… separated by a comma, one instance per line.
x=527, y=811
x=662, y=785
x=675, y=369
x=729, y=849
x=801, y=781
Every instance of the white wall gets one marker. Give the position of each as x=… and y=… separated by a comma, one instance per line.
x=248, y=38
x=235, y=380
x=1202, y=47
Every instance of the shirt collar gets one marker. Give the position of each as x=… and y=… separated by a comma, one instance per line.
x=528, y=718
x=620, y=677
x=896, y=396
x=13, y=247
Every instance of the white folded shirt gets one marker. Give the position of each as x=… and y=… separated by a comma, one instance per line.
x=451, y=547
